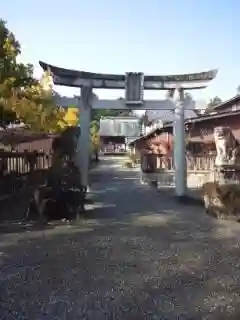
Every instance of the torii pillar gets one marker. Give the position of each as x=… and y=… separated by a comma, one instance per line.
x=179, y=151
x=84, y=142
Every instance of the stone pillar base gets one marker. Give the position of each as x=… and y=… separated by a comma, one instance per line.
x=227, y=174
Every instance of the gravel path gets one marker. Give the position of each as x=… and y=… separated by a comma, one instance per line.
x=138, y=255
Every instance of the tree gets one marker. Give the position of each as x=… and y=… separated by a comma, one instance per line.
x=215, y=101
x=95, y=137
x=71, y=117
x=143, y=120
x=212, y=104
x=98, y=113
x=238, y=89
x=20, y=93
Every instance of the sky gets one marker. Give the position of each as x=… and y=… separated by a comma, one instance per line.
x=118, y=36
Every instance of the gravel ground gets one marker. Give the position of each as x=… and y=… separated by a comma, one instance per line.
x=137, y=255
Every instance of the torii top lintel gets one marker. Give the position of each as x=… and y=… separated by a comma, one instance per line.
x=74, y=78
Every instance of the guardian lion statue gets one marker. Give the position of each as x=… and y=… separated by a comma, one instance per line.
x=221, y=201
x=227, y=147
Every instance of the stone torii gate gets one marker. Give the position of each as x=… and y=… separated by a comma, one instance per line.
x=134, y=85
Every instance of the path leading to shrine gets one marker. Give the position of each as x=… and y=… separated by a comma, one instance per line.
x=137, y=255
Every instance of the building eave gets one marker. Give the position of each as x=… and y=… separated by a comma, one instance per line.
x=187, y=121
x=149, y=134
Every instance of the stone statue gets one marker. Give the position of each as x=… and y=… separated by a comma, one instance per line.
x=227, y=147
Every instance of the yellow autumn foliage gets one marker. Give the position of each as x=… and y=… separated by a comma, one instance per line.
x=70, y=118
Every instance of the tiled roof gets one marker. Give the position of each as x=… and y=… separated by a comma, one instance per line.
x=227, y=102
x=167, y=115
x=64, y=101
x=20, y=135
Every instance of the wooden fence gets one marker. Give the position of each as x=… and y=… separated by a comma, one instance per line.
x=154, y=163
x=21, y=170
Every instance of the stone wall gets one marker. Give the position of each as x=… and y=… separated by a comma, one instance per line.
x=195, y=179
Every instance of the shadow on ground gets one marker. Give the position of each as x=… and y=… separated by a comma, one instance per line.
x=137, y=255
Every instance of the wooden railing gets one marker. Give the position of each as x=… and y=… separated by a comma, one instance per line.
x=200, y=163
x=21, y=170
x=153, y=163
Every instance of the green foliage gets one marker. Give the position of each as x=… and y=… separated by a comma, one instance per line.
x=20, y=93
x=97, y=114
x=143, y=120
x=212, y=104
x=128, y=164
x=12, y=73
x=94, y=127
x=133, y=158
x=95, y=138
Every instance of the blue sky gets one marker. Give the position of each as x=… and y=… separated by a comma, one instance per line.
x=115, y=36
